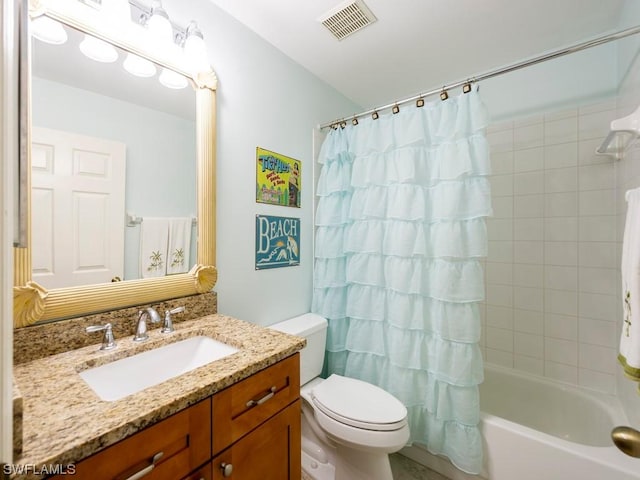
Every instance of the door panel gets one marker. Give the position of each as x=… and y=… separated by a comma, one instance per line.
x=78, y=188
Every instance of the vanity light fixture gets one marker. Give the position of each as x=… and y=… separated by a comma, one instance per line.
x=48, y=30
x=118, y=14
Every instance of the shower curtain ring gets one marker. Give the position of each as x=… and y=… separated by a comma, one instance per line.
x=395, y=109
x=466, y=88
x=375, y=115
x=354, y=121
x=443, y=95
x=420, y=102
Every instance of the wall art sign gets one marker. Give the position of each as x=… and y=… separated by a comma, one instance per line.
x=277, y=242
x=278, y=179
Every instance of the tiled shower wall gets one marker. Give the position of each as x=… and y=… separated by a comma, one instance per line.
x=552, y=268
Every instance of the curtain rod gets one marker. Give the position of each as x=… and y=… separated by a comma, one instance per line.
x=500, y=71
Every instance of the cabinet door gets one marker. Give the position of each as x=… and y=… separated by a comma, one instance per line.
x=170, y=449
x=245, y=405
x=203, y=473
x=270, y=452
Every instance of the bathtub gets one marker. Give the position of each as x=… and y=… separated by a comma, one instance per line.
x=535, y=428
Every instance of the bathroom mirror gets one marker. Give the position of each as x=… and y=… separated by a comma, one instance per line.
x=135, y=141
x=34, y=302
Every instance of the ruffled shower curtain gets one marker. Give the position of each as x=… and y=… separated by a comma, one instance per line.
x=400, y=231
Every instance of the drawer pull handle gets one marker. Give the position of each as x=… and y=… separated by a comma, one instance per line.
x=254, y=403
x=227, y=469
x=146, y=470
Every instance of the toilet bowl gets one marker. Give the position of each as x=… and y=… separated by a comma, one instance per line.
x=349, y=426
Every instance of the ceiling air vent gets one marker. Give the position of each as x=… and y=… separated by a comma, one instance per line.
x=347, y=18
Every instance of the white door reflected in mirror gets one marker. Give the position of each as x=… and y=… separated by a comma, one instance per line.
x=78, y=192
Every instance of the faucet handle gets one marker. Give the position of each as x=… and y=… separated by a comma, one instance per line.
x=108, y=341
x=167, y=327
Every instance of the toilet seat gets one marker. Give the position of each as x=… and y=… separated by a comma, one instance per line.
x=359, y=404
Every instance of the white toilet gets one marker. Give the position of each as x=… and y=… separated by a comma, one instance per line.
x=349, y=427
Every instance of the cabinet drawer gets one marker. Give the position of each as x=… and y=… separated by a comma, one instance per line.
x=184, y=440
x=245, y=405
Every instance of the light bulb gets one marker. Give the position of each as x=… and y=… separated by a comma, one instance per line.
x=139, y=66
x=196, y=50
x=171, y=79
x=98, y=50
x=159, y=25
x=48, y=30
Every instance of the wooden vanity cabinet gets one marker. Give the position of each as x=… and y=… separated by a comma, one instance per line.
x=248, y=431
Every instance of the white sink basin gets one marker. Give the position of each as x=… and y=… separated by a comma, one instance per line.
x=118, y=379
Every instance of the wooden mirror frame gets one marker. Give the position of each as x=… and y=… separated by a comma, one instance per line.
x=32, y=302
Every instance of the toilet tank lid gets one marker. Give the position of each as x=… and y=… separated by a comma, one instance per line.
x=302, y=325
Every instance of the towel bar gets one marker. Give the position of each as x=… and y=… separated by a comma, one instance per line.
x=133, y=220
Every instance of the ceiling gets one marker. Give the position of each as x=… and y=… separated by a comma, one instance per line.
x=419, y=45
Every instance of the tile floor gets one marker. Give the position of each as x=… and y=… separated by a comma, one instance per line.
x=406, y=469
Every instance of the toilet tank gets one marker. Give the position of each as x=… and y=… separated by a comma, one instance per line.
x=314, y=328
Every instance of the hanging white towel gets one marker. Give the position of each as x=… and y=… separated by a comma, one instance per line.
x=179, y=245
x=629, y=355
x=154, y=237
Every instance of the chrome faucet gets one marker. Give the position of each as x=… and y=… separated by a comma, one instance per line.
x=167, y=326
x=108, y=341
x=141, y=329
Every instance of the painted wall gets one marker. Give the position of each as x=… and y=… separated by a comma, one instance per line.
x=160, y=174
x=265, y=100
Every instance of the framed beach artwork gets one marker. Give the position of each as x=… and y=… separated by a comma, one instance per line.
x=277, y=242
x=278, y=179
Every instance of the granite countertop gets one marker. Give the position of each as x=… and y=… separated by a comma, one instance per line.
x=64, y=421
